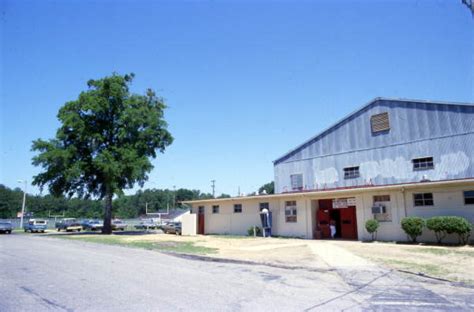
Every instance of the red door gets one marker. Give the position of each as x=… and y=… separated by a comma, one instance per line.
x=323, y=217
x=348, y=223
x=200, y=229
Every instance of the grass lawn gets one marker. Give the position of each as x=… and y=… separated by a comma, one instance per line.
x=185, y=247
x=452, y=263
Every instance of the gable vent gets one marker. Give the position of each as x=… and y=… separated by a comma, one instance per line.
x=380, y=122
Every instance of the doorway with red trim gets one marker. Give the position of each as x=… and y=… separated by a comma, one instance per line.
x=342, y=215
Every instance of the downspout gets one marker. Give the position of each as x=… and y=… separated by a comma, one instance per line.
x=404, y=202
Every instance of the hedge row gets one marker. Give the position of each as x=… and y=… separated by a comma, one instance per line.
x=441, y=226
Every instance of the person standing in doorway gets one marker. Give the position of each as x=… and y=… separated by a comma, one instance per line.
x=332, y=227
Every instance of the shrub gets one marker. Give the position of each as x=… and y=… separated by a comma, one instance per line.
x=413, y=226
x=444, y=225
x=459, y=226
x=439, y=226
x=257, y=230
x=371, y=226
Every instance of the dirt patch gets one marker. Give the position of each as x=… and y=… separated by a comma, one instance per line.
x=451, y=263
x=288, y=252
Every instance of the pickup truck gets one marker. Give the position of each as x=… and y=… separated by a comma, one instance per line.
x=68, y=224
x=172, y=227
x=36, y=225
x=6, y=227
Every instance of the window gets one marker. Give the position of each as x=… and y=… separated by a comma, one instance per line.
x=215, y=209
x=469, y=198
x=264, y=206
x=290, y=211
x=351, y=172
x=201, y=209
x=238, y=208
x=380, y=123
x=423, y=163
x=296, y=182
x=423, y=199
x=383, y=200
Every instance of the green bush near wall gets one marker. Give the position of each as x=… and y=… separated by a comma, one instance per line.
x=258, y=231
x=372, y=226
x=413, y=227
x=444, y=225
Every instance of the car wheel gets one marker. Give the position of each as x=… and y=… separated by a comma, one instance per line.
x=26, y=230
x=9, y=232
x=59, y=230
x=78, y=230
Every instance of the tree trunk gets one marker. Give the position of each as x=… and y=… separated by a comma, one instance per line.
x=107, y=229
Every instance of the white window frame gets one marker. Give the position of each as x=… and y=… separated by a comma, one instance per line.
x=387, y=216
x=302, y=182
x=469, y=196
x=238, y=205
x=291, y=211
x=423, y=201
x=352, y=172
x=423, y=163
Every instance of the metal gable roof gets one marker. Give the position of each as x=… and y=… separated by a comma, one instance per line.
x=361, y=109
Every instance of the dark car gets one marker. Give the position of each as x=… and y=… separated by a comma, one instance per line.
x=6, y=227
x=118, y=225
x=93, y=225
x=172, y=228
x=68, y=224
x=36, y=225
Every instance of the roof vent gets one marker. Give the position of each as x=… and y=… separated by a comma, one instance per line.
x=380, y=122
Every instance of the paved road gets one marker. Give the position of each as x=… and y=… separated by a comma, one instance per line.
x=47, y=274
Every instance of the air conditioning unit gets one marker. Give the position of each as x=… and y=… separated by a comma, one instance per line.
x=379, y=209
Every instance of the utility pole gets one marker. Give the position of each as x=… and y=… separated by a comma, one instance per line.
x=213, y=185
x=174, y=196
x=24, y=202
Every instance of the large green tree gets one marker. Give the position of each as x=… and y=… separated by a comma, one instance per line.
x=105, y=142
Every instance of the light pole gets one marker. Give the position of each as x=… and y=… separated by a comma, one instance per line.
x=24, y=202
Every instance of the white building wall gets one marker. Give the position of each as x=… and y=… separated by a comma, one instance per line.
x=448, y=201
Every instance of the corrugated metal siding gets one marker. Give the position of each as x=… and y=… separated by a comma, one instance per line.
x=445, y=132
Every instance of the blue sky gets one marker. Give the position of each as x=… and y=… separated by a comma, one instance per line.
x=245, y=81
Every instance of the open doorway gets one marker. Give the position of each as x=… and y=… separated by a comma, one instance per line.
x=343, y=217
x=335, y=216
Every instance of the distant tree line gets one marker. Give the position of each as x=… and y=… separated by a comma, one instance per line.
x=125, y=206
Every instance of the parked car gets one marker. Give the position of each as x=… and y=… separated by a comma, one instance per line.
x=172, y=228
x=36, y=225
x=68, y=224
x=6, y=227
x=93, y=225
x=118, y=225
x=146, y=225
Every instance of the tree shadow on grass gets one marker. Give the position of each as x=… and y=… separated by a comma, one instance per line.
x=118, y=233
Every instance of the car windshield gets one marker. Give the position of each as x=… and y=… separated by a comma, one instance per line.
x=40, y=222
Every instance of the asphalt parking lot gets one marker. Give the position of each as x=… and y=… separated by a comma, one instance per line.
x=46, y=274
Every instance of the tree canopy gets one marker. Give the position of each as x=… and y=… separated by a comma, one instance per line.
x=105, y=142
x=269, y=188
